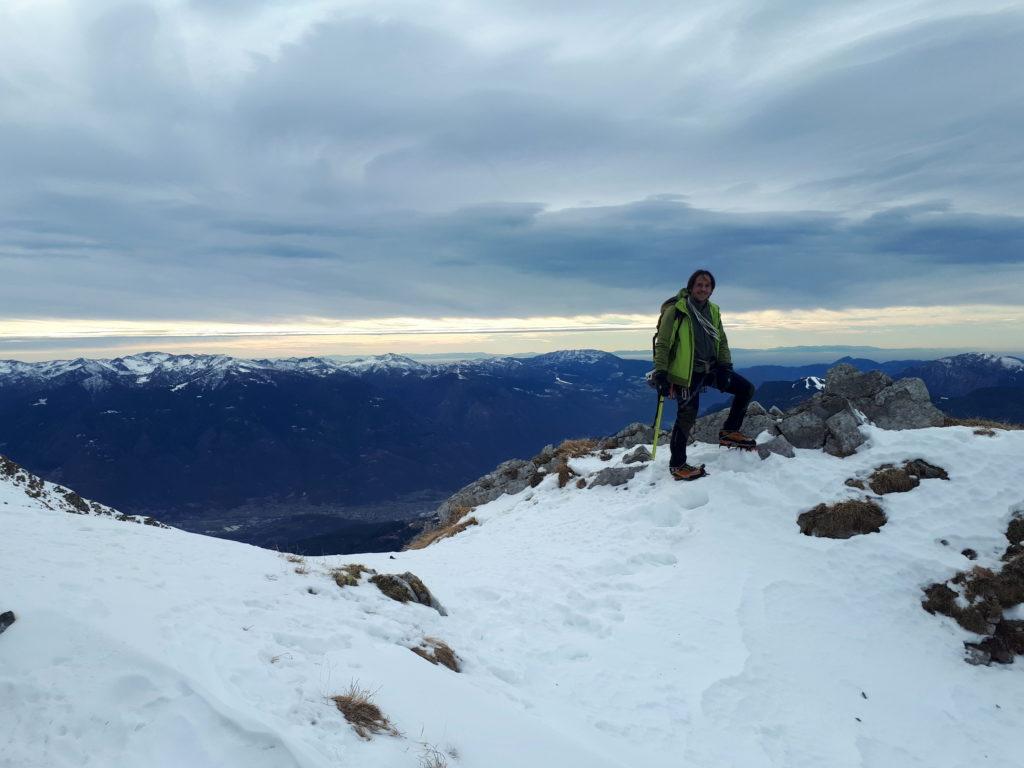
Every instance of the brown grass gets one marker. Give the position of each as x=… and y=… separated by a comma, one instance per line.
x=349, y=575
x=295, y=558
x=358, y=708
x=842, y=520
x=574, y=449
x=438, y=652
x=454, y=527
x=892, y=480
x=984, y=424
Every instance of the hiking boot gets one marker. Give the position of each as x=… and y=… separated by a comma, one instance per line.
x=736, y=440
x=687, y=472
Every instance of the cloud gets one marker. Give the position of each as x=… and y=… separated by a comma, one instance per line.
x=229, y=161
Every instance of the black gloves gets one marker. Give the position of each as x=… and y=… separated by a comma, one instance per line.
x=662, y=384
x=724, y=375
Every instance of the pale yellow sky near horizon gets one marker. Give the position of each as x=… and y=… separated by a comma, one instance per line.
x=982, y=328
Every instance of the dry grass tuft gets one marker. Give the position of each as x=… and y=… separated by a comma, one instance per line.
x=454, y=527
x=842, y=520
x=301, y=570
x=989, y=424
x=358, y=708
x=349, y=575
x=295, y=558
x=892, y=480
x=438, y=652
x=574, y=449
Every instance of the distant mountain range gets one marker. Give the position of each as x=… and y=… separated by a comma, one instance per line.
x=319, y=452
x=263, y=450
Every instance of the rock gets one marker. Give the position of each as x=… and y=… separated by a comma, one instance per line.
x=780, y=446
x=509, y=477
x=707, y=427
x=970, y=554
x=804, y=430
x=1012, y=633
x=776, y=412
x=925, y=471
x=635, y=434
x=994, y=647
x=407, y=587
x=844, y=436
x=904, y=405
x=6, y=619
x=977, y=655
x=614, y=476
x=640, y=454
x=846, y=381
x=756, y=409
x=1015, y=530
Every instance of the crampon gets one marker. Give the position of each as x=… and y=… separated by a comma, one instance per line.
x=736, y=440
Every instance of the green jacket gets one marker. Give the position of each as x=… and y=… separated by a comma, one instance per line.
x=673, y=347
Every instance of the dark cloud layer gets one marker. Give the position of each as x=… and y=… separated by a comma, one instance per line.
x=512, y=159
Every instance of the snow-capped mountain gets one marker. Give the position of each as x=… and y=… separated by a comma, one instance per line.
x=278, y=451
x=961, y=374
x=652, y=624
x=215, y=371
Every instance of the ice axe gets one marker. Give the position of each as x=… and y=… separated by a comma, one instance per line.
x=657, y=426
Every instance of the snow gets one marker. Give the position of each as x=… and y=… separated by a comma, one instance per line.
x=814, y=382
x=658, y=624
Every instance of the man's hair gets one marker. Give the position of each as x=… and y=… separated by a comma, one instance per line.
x=698, y=273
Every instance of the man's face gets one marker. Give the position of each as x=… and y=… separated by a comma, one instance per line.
x=701, y=288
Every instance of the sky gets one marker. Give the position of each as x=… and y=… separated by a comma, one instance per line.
x=277, y=178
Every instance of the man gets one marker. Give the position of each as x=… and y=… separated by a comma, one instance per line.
x=691, y=352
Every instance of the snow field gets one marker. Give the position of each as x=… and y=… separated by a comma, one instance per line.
x=656, y=624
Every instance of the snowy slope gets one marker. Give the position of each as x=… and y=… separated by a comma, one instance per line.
x=656, y=624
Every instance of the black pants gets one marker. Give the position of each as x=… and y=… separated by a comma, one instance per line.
x=686, y=415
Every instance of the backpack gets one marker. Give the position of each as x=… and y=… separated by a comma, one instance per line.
x=654, y=339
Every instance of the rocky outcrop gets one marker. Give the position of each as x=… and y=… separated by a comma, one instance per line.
x=510, y=477
x=61, y=499
x=831, y=419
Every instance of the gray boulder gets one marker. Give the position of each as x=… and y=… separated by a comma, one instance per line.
x=903, y=405
x=780, y=446
x=776, y=412
x=6, y=619
x=614, y=476
x=754, y=423
x=845, y=381
x=640, y=454
x=843, y=434
x=804, y=430
x=635, y=434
